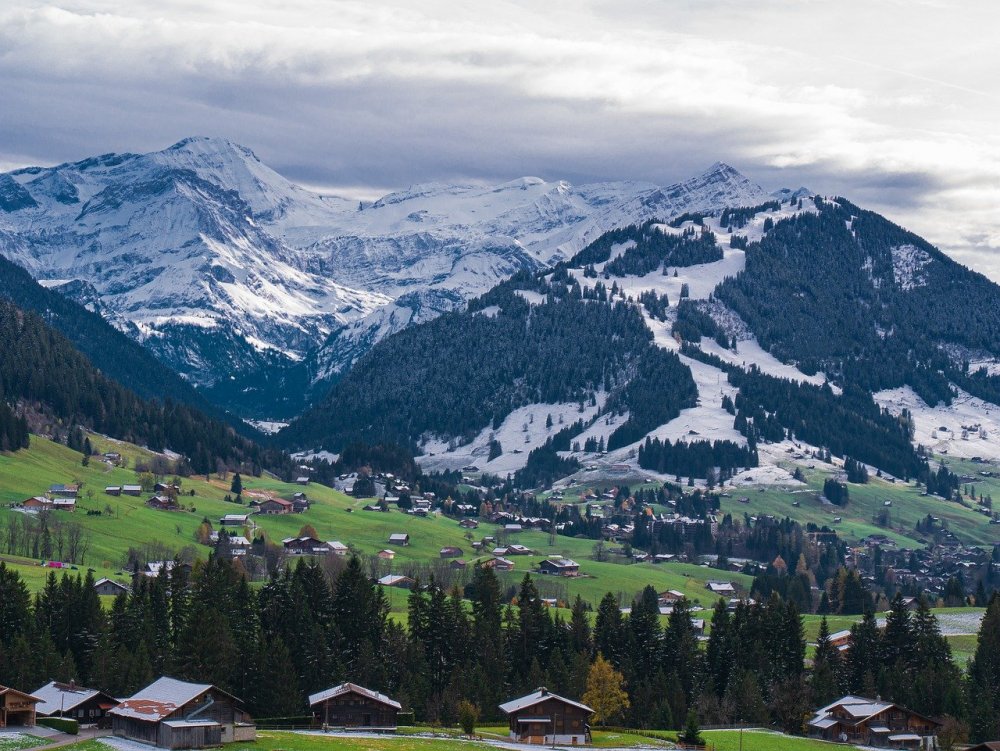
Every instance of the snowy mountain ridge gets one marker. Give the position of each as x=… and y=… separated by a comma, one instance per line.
x=226, y=270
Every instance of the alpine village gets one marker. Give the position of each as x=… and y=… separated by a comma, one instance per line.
x=484, y=464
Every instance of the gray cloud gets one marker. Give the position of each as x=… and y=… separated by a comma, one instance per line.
x=890, y=103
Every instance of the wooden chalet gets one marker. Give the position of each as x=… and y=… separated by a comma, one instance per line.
x=353, y=707
x=17, y=709
x=64, y=491
x=870, y=722
x=133, y=490
x=399, y=538
x=168, y=488
x=174, y=714
x=115, y=490
x=275, y=506
x=386, y=555
x=162, y=502
x=545, y=718
x=88, y=706
x=234, y=520
x=499, y=564
x=107, y=586
x=305, y=546
x=451, y=551
x=457, y=564
x=397, y=580
x=559, y=567
x=469, y=524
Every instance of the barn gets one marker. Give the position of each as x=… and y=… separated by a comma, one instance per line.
x=174, y=714
x=354, y=707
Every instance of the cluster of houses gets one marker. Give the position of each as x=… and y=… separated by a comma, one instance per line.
x=174, y=714
x=59, y=497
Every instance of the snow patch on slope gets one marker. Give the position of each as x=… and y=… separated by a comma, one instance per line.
x=908, y=263
x=941, y=428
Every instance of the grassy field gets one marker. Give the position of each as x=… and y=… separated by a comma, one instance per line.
x=127, y=522
x=18, y=741
x=756, y=740
x=866, y=501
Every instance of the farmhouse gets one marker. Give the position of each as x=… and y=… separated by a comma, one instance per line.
x=353, y=707
x=305, y=546
x=88, y=706
x=397, y=580
x=162, y=502
x=870, y=722
x=559, y=567
x=670, y=597
x=169, y=488
x=723, y=589
x=17, y=708
x=338, y=548
x=174, y=714
x=545, y=718
x=399, y=538
x=275, y=506
x=110, y=587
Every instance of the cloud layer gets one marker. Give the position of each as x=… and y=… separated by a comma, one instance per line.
x=893, y=104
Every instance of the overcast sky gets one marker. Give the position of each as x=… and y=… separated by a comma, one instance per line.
x=892, y=103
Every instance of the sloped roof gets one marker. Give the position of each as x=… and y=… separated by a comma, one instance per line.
x=352, y=688
x=55, y=696
x=541, y=694
x=160, y=699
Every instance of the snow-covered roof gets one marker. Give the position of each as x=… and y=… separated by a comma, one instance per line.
x=541, y=694
x=349, y=688
x=160, y=699
x=55, y=697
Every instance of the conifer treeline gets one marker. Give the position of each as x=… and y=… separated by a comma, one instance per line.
x=309, y=628
x=41, y=366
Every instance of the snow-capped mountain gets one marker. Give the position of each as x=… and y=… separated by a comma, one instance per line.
x=227, y=270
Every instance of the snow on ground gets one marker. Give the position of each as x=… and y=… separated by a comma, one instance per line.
x=268, y=427
x=941, y=428
x=490, y=311
x=533, y=298
x=308, y=456
x=522, y=430
x=908, y=262
x=749, y=352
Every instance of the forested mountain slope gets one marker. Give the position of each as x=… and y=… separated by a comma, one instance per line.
x=43, y=373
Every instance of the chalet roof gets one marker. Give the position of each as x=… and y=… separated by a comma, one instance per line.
x=396, y=536
x=7, y=690
x=160, y=699
x=560, y=563
x=121, y=585
x=54, y=697
x=391, y=580
x=541, y=694
x=351, y=688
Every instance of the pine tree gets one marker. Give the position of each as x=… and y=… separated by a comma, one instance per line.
x=236, y=488
x=984, y=677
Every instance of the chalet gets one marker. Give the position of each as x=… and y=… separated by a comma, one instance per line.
x=723, y=589
x=235, y=520
x=110, y=587
x=300, y=504
x=670, y=597
x=546, y=718
x=519, y=550
x=559, y=567
x=88, y=706
x=469, y=524
x=457, y=564
x=36, y=503
x=64, y=491
x=451, y=552
x=386, y=555
x=302, y=480
x=17, y=709
x=352, y=707
x=397, y=580
x=275, y=506
x=115, y=490
x=163, y=487
x=512, y=528
x=163, y=503
x=173, y=714
x=399, y=538
x=498, y=564
x=698, y=626
x=305, y=546
x=133, y=490
x=112, y=456
x=840, y=640
x=338, y=548
x=238, y=546
x=871, y=722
